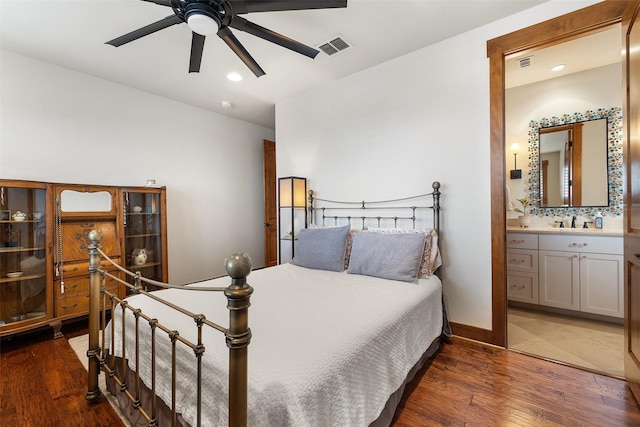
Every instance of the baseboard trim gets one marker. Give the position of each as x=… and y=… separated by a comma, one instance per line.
x=471, y=332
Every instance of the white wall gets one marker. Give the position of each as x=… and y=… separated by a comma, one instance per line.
x=391, y=130
x=62, y=126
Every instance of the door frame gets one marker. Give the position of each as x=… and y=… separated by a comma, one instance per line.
x=555, y=31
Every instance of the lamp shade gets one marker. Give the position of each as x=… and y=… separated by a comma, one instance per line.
x=293, y=192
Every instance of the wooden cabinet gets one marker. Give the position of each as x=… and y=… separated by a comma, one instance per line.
x=44, y=255
x=522, y=267
x=576, y=271
x=79, y=209
x=26, y=299
x=145, y=228
x=582, y=272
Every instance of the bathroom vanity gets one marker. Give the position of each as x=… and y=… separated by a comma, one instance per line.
x=572, y=269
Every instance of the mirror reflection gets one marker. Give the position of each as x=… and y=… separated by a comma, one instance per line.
x=573, y=164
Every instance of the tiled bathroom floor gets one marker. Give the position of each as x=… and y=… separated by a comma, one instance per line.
x=585, y=343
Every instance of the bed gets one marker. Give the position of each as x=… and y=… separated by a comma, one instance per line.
x=334, y=336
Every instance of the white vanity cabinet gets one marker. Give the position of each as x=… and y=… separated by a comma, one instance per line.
x=582, y=272
x=522, y=267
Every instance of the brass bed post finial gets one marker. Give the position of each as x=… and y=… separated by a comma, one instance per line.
x=238, y=335
x=93, y=390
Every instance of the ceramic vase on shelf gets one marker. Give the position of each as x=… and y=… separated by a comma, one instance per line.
x=524, y=221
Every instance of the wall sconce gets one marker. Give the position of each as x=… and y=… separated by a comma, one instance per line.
x=515, y=172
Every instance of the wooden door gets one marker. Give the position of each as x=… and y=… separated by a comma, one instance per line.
x=270, y=206
x=631, y=114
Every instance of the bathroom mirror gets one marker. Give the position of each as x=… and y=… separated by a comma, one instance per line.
x=575, y=162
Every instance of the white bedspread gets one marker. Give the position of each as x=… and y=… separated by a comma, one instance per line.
x=327, y=348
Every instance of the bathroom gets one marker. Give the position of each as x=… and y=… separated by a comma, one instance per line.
x=564, y=156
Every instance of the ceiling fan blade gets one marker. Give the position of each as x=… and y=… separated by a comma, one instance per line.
x=248, y=6
x=225, y=34
x=160, y=2
x=146, y=30
x=197, y=46
x=249, y=27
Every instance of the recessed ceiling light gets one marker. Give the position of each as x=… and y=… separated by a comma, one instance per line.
x=226, y=104
x=558, y=67
x=234, y=77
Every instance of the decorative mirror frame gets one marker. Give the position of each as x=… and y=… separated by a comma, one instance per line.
x=614, y=162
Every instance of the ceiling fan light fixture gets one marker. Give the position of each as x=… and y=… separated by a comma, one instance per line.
x=202, y=24
x=202, y=19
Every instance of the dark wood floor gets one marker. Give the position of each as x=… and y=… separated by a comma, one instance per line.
x=43, y=383
x=467, y=384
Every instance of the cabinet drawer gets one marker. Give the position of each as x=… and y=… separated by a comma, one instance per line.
x=522, y=241
x=81, y=268
x=79, y=286
x=522, y=287
x=522, y=260
x=72, y=305
x=582, y=243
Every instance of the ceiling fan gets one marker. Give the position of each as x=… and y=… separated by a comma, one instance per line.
x=207, y=17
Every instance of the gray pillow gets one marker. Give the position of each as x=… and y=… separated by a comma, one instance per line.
x=388, y=256
x=322, y=248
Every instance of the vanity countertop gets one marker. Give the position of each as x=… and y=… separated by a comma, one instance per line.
x=558, y=230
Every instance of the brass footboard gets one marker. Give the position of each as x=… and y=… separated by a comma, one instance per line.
x=238, y=335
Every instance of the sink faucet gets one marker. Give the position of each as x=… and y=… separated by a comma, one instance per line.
x=561, y=224
x=573, y=222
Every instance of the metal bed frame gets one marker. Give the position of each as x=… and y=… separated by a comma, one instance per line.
x=238, y=335
x=238, y=293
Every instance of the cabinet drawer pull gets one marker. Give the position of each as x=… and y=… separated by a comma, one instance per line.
x=517, y=288
x=516, y=261
x=578, y=245
x=516, y=241
x=72, y=306
x=64, y=270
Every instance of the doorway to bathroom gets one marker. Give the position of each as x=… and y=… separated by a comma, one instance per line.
x=552, y=91
x=529, y=41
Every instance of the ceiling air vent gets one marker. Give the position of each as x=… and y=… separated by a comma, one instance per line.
x=335, y=45
x=525, y=62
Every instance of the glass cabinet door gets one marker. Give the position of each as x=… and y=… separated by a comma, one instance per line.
x=144, y=233
x=24, y=298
